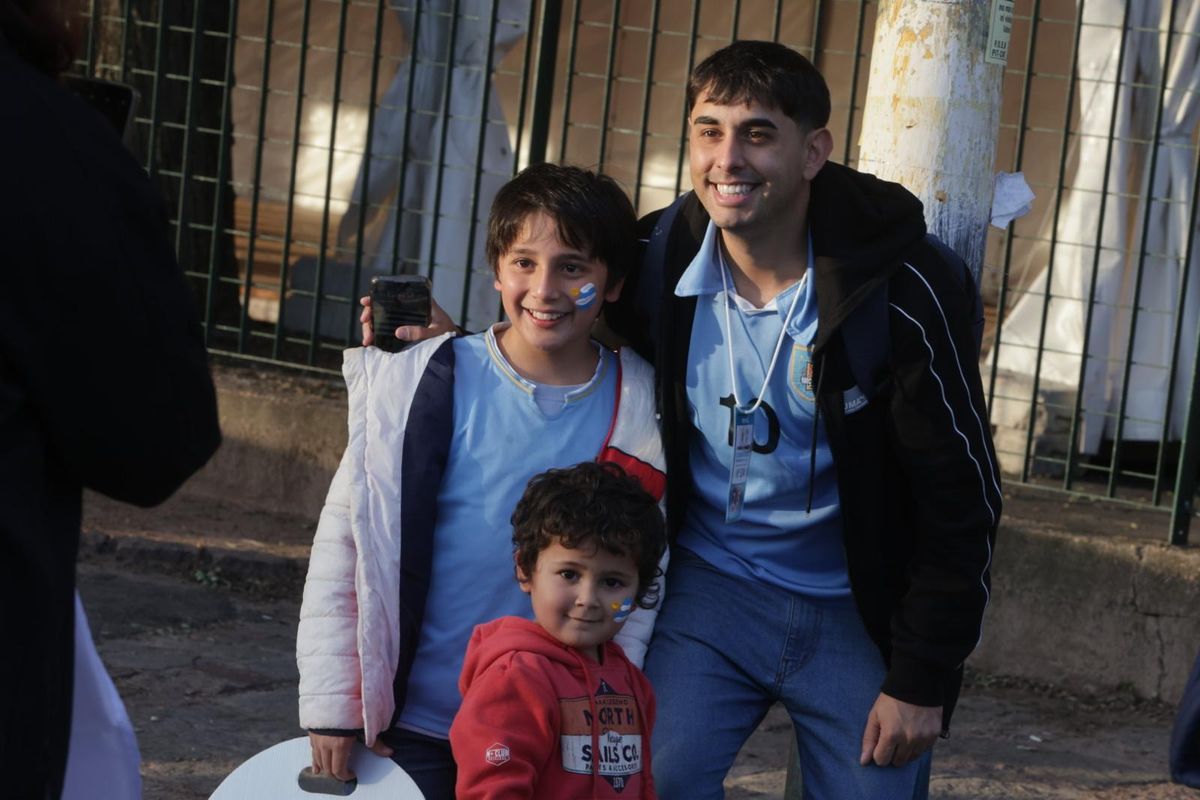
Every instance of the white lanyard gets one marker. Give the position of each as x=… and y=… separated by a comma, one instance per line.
x=778, y=342
x=743, y=418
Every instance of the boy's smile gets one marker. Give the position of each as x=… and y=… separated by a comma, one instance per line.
x=550, y=292
x=581, y=597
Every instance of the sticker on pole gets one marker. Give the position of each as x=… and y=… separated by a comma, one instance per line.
x=999, y=32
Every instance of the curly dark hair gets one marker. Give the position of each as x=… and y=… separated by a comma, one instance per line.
x=592, y=504
x=592, y=212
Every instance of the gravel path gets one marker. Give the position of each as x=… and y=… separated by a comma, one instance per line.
x=209, y=678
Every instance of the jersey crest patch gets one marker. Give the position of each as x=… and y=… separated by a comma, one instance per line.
x=800, y=372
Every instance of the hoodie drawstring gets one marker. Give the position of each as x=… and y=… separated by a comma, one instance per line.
x=644, y=729
x=595, y=726
x=812, y=452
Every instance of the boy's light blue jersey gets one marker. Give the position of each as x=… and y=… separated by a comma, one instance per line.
x=775, y=540
x=501, y=439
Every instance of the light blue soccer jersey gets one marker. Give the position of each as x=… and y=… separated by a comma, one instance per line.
x=501, y=439
x=776, y=540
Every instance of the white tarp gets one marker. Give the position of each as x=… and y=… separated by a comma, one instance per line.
x=103, y=751
x=1118, y=233
x=439, y=26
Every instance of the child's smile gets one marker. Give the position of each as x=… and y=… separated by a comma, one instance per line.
x=551, y=295
x=582, y=597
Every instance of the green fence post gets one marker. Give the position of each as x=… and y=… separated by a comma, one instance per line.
x=1189, y=454
x=1189, y=451
x=543, y=91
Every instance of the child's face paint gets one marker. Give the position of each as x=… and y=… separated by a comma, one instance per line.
x=584, y=296
x=550, y=296
x=581, y=596
x=622, y=610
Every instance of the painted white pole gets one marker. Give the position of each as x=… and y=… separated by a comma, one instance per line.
x=933, y=110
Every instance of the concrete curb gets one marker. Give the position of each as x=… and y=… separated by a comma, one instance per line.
x=1092, y=612
x=265, y=574
x=284, y=434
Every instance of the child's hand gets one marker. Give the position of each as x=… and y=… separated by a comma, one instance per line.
x=439, y=323
x=331, y=754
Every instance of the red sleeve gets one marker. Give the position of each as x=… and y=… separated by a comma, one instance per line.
x=505, y=732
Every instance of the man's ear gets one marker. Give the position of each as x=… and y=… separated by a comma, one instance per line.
x=817, y=149
x=613, y=293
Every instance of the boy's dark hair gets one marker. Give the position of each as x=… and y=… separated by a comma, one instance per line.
x=593, y=214
x=593, y=504
x=766, y=72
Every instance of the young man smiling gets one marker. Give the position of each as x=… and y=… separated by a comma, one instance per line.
x=833, y=540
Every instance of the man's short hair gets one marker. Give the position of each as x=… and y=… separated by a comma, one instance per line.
x=593, y=504
x=765, y=72
x=592, y=212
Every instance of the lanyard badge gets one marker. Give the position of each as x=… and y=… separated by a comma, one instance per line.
x=743, y=444
x=743, y=418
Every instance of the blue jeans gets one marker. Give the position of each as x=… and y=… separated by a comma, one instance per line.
x=725, y=649
x=428, y=761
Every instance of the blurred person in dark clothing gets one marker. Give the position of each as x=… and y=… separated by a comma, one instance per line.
x=112, y=393
x=1184, y=756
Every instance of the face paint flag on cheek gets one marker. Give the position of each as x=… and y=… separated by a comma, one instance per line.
x=623, y=610
x=584, y=295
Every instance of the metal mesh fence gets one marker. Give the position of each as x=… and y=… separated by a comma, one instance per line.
x=305, y=146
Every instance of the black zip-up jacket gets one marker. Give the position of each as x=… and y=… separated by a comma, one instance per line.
x=917, y=476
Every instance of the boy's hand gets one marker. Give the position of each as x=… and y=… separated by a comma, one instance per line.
x=439, y=323
x=331, y=754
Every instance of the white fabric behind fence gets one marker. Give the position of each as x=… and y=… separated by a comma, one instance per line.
x=1119, y=232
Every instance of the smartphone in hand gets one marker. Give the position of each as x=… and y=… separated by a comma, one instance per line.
x=398, y=300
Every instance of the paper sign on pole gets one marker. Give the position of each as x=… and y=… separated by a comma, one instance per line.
x=999, y=32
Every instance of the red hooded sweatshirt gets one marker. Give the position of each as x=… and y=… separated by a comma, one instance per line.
x=541, y=720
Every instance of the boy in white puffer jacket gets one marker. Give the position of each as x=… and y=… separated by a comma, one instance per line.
x=413, y=548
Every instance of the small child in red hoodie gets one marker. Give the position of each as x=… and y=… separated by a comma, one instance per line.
x=553, y=708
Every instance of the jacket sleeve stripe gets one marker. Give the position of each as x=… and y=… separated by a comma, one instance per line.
x=962, y=376
x=987, y=595
x=953, y=417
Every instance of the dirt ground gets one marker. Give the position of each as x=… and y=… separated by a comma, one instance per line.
x=209, y=677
